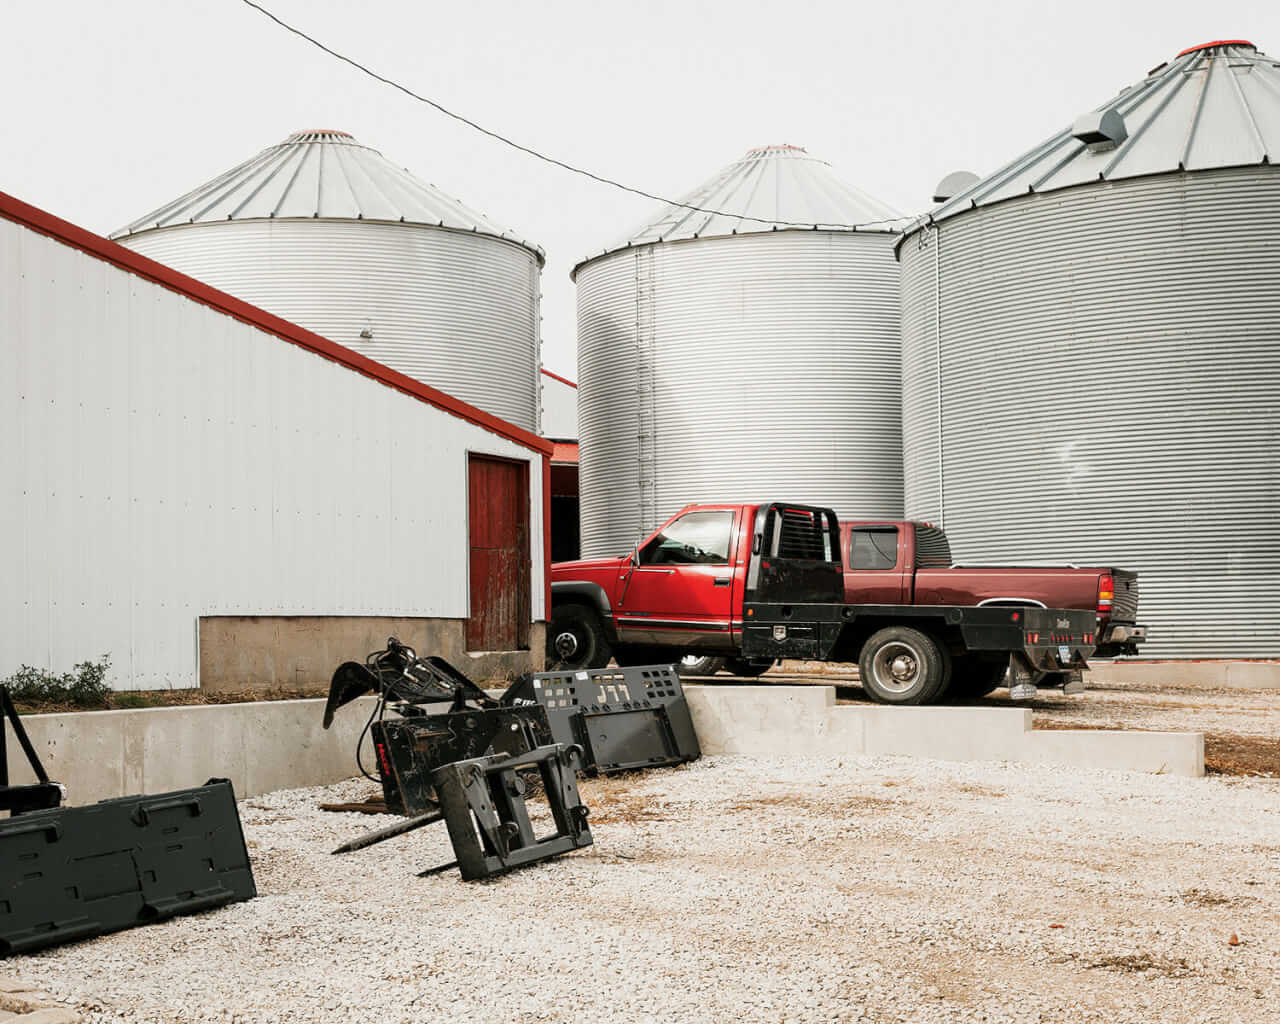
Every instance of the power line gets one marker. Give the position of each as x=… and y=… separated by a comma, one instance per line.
x=543, y=156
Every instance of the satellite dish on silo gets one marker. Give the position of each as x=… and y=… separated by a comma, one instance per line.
x=953, y=184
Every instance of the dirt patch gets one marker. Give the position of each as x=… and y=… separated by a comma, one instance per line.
x=1143, y=963
x=1205, y=898
x=979, y=790
x=1232, y=754
x=810, y=802
x=616, y=799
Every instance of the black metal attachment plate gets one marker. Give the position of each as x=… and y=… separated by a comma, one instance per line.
x=623, y=718
x=70, y=873
x=484, y=807
x=409, y=750
x=35, y=796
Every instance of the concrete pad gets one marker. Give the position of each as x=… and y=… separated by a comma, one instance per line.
x=1244, y=675
x=799, y=720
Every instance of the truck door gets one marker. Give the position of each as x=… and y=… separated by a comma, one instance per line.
x=875, y=574
x=681, y=591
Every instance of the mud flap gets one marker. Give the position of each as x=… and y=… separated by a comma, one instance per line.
x=1023, y=677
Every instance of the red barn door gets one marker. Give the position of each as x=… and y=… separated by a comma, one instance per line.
x=498, y=517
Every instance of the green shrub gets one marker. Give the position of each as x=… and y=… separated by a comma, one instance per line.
x=85, y=686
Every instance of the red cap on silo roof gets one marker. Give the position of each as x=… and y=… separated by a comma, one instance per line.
x=1217, y=42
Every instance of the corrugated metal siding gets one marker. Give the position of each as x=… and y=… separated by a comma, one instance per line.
x=1110, y=387
x=454, y=310
x=164, y=461
x=731, y=369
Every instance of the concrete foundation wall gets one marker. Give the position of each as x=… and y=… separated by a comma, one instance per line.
x=1242, y=675
x=241, y=652
x=784, y=720
x=260, y=747
x=273, y=745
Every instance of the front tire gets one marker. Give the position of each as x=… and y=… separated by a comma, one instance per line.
x=575, y=638
x=900, y=665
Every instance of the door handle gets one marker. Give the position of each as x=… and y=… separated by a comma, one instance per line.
x=722, y=581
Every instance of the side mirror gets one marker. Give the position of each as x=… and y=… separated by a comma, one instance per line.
x=635, y=550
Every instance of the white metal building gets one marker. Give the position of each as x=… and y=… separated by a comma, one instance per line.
x=1091, y=352
x=332, y=235
x=186, y=479
x=728, y=357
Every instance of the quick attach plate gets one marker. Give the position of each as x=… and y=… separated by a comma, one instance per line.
x=70, y=873
x=483, y=801
x=409, y=750
x=623, y=718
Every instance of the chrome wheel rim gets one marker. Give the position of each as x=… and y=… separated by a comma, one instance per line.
x=897, y=667
x=566, y=644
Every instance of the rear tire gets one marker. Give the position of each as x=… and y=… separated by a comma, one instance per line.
x=746, y=669
x=699, y=665
x=900, y=665
x=972, y=678
x=575, y=638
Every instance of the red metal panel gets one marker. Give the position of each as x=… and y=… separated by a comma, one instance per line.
x=500, y=563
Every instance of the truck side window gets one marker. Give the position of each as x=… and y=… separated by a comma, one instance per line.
x=873, y=548
x=697, y=538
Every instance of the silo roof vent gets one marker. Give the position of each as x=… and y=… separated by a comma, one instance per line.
x=1212, y=106
x=1100, y=130
x=953, y=184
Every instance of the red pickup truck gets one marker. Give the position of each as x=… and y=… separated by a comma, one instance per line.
x=687, y=587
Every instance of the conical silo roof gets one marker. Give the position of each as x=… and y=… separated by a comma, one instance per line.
x=1215, y=105
x=771, y=188
x=321, y=174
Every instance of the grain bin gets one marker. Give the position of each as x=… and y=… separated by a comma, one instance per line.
x=723, y=356
x=1091, y=353
x=331, y=235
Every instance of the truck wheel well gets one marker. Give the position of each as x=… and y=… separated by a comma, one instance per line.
x=848, y=648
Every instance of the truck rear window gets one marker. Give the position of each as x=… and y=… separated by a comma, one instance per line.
x=933, y=550
x=873, y=547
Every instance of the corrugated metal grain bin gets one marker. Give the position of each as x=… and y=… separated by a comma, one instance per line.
x=331, y=235
x=724, y=356
x=1091, y=353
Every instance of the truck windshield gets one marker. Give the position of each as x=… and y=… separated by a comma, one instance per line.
x=696, y=538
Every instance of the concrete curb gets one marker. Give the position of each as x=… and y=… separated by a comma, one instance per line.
x=781, y=720
x=260, y=746
x=1213, y=675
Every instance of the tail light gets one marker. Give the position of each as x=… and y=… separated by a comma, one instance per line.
x=1106, y=593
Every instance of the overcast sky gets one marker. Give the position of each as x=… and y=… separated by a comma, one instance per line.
x=112, y=108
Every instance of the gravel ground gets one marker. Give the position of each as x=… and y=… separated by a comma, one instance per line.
x=738, y=889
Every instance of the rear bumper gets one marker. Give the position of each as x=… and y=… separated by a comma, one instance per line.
x=1120, y=639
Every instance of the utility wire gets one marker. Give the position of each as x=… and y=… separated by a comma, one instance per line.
x=543, y=156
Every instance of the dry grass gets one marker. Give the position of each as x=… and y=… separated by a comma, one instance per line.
x=129, y=700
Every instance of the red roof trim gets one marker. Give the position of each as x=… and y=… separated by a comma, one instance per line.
x=1217, y=42
x=566, y=453
x=562, y=380
x=135, y=263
